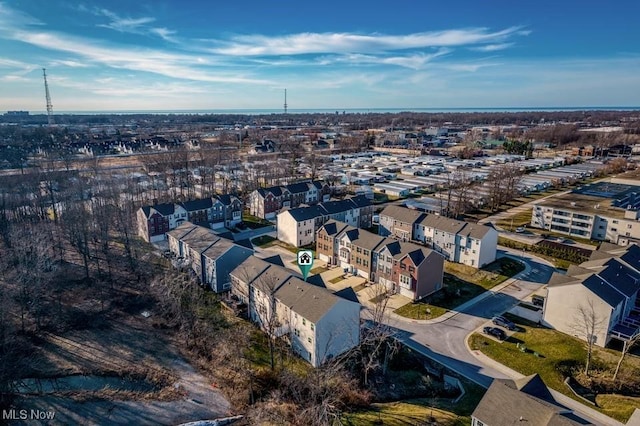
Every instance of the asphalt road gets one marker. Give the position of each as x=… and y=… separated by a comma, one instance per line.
x=445, y=341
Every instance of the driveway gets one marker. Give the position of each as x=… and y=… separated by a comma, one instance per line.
x=252, y=233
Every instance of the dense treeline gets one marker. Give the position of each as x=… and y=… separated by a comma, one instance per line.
x=374, y=119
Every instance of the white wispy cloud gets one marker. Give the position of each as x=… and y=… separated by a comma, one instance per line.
x=469, y=66
x=492, y=47
x=179, y=66
x=123, y=24
x=13, y=17
x=13, y=78
x=12, y=63
x=119, y=87
x=309, y=43
x=414, y=61
x=164, y=33
x=70, y=63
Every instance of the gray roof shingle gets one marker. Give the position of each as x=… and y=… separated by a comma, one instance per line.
x=603, y=290
x=309, y=301
x=507, y=402
x=402, y=214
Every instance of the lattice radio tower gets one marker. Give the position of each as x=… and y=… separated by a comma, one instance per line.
x=285, y=101
x=46, y=91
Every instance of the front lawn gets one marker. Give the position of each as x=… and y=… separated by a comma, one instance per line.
x=560, y=355
x=489, y=276
x=519, y=219
x=401, y=413
x=420, y=310
x=263, y=241
x=254, y=222
x=461, y=284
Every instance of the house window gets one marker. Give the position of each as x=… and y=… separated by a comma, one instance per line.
x=411, y=269
x=296, y=332
x=629, y=226
x=312, y=327
x=304, y=321
x=403, y=266
x=309, y=339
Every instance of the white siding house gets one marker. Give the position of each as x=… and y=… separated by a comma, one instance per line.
x=318, y=324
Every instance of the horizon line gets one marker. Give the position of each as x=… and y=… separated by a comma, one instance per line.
x=276, y=111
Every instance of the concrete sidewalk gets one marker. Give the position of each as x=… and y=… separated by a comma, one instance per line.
x=515, y=210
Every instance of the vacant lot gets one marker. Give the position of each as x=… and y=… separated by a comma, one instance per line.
x=96, y=356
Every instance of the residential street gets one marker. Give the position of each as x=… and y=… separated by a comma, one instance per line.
x=445, y=340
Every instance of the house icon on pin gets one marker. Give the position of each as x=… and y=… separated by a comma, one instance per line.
x=304, y=259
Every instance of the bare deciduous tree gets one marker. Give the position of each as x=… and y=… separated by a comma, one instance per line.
x=626, y=347
x=378, y=341
x=588, y=324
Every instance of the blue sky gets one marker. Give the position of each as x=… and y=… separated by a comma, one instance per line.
x=176, y=55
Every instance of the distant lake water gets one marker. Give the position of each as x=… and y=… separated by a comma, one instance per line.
x=352, y=110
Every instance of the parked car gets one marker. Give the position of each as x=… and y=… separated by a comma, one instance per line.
x=503, y=322
x=495, y=332
x=520, y=229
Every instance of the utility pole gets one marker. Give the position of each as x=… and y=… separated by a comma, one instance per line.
x=48, y=97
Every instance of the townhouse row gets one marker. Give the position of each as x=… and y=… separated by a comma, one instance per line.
x=458, y=241
x=219, y=211
x=265, y=203
x=211, y=258
x=316, y=323
x=298, y=226
x=599, y=299
x=402, y=267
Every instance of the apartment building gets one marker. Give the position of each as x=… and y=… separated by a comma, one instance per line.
x=265, y=203
x=606, y=287
x=298, y=226
x=603, y=212
x=458, y=241
x=406, y=268
x=318, y=324
x=218, y=211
